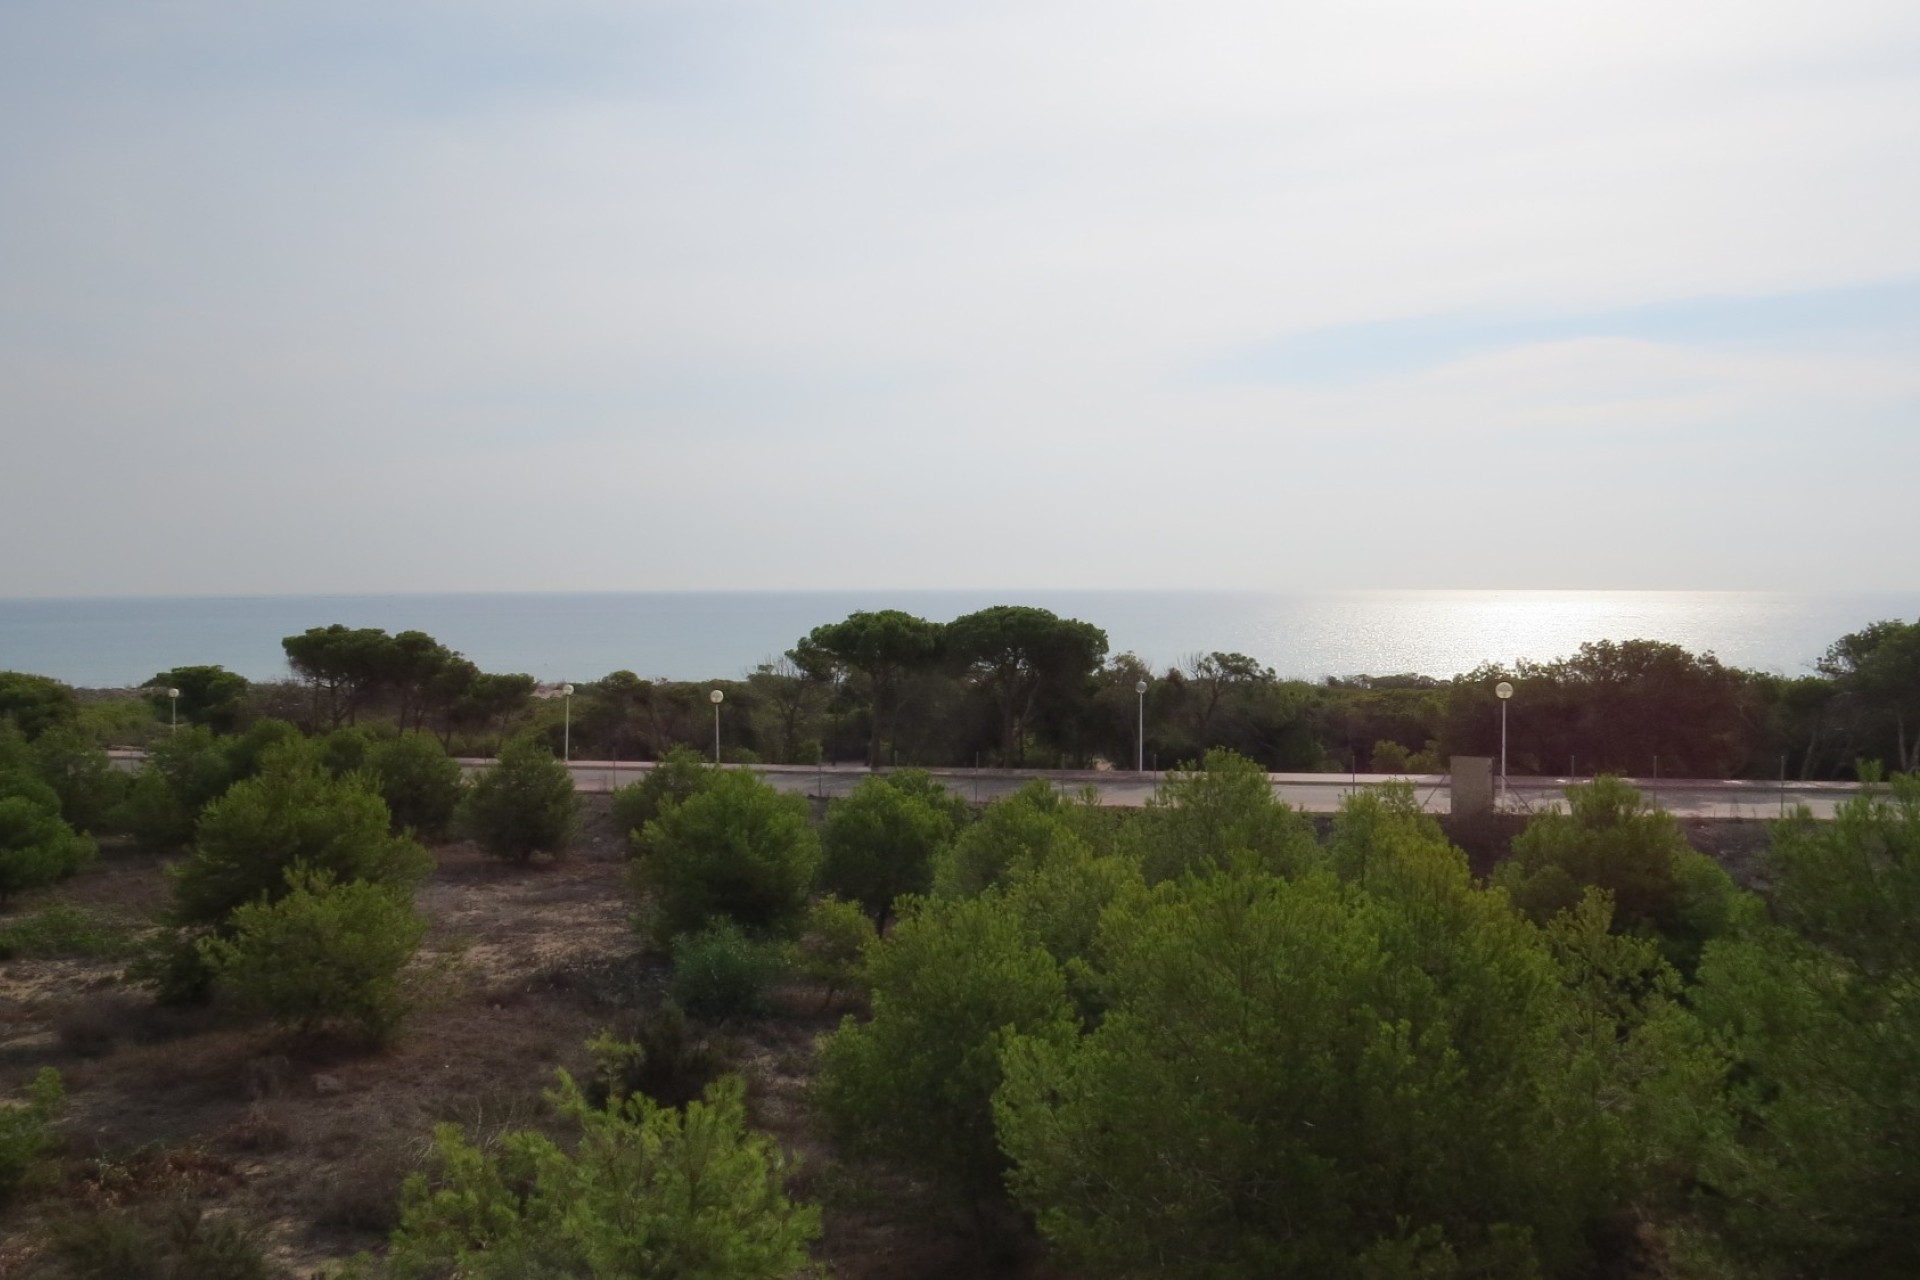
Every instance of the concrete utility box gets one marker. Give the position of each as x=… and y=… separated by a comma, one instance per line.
x=1472, y=784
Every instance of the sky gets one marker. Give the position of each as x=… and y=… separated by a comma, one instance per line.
x=477, y=296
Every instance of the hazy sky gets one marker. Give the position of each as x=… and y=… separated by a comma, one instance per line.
x=474, y=296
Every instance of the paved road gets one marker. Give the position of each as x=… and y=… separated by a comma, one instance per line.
x=1311, y=792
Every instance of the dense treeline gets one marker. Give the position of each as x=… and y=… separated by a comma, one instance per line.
x=1018, y=686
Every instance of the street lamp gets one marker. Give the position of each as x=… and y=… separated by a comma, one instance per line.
x=1503, y=691
x=716, y=698
x=1140, y=735
x=173, y=703
x=566, y=725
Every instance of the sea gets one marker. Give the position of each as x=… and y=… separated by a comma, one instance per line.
x=120, y=641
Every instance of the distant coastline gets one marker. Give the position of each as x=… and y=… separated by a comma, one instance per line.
x=696, y=635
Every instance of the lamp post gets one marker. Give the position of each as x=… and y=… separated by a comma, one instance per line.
x=173, y=705
x=566, y=725
x=1140, y=734
x=1503, y=691
x=716, y=698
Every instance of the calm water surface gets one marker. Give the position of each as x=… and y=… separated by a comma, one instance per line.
x=699, y=635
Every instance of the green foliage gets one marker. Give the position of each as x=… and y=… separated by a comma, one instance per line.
x=884, y=648
x=293, y=814
x=737, y=849
x=37, y=847
x=35, y=704
x=1825, y=1032
x=658, y=1055
x=248, y=752
x=1026, y=829
x=647, y=1193
x=420, y=782
x=719, y=972
x=62, y=930
x=346, y=750
x=680, y=773
x=26, y=1128
x=119, y=722
x=1309, y=1078
x=185, y=772
x=209, y=695
x=80, y=773
x=1222, y=815
x=323, y=952
x=1612, y=839
x=525, y=804
x=914, y=1084
x=173, y=1242
x=833, y=944
x=880, y=842
x=1024, y=658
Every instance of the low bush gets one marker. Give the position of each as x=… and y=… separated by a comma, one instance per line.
x=833, y=945
x=680, y=1194
x=94, y=1025
x=525, y=804
x=26, y=1128
x=880, y=842
x=37, y=847
x=173, y=1242
x=680, y=773
x=61, y=930
x=721, y=973
x=325, y=952
x=738, y=849
x=659, y=1056
x=420, y=782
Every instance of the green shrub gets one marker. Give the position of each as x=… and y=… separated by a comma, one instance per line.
x=914, y=1084
x=1025, y=829
x=185, y=772
x=323, y=952
x=525, y=804
x=292, y=814
x=26, y=1128
x=1611, y=838
x=420, y=782
x=658, y=1055
x=738, y=850
x=80, y=773
x=1820, y=1016
x=344, y=751
x=173, y=1242
x=833, y=945
x=1222, y=814
x=248, y=753
x=721, y=973
x=880, y=842
x=647, y=1192
x=37, y=847
x=1315, y=1079
x=36, y=703
x=680, y=773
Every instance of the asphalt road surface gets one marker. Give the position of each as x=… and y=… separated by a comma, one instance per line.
x=1310, y=792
